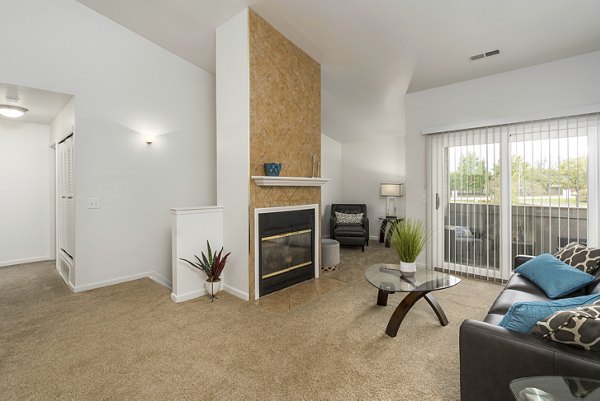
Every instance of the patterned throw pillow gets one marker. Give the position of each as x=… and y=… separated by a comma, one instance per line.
x=579, y=327
x=349, y=218
x=581, y=257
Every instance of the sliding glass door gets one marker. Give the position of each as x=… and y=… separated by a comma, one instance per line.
x=550, y=183
x=499, y=191
x=467, y=201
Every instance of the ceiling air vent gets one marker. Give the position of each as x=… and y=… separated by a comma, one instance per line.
x=484, y=55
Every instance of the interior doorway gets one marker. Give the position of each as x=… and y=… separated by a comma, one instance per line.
x=32, y=123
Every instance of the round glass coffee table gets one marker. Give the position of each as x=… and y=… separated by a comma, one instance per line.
x=555, y=388
x=388, y=279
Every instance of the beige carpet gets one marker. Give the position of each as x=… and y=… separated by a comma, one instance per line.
x=130, y=342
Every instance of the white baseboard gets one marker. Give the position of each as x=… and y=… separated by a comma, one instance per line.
x=154, y=276
x=234, y=291
x=64, y=278
x=188, y=295
x=160, y=279
x=105, y=283
x=26, y=260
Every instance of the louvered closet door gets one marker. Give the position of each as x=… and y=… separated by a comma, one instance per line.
x=67, y=199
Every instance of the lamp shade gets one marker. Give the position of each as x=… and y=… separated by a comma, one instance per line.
x=392, y=189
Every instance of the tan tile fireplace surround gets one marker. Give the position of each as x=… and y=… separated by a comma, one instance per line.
x=285, y=119
x=284, y=109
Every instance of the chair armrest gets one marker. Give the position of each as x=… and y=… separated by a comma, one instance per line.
x=492, y=356
x=332, y=224
x=520, y=259
x=366, y=225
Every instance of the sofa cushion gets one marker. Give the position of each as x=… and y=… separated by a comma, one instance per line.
x=594, y=288
x=522, y=316
x=584, y=258
x=579, y=327
x=493, y=318
x=508, y=297
x=349, y=218
x=553, y=276
x=519, y=282
x=350, y=230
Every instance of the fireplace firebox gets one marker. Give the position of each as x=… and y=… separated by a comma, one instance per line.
x=286, y=249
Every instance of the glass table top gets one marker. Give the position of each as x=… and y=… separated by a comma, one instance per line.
x=388, y=277
x=555, y=388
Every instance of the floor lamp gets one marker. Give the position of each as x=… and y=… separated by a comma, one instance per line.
x=391, y=191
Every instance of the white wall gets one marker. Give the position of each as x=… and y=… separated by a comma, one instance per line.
x=233, y=144
x=64, y=123
x=124, y=86
x=331, y=167
x=565, y=86
x=25, y=185
x=367, y=164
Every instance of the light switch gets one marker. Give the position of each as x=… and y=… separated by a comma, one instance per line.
x=93, y=203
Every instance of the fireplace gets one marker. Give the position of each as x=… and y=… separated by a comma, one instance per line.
x=286, y=252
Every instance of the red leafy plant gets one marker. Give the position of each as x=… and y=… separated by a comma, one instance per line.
x=211, y=265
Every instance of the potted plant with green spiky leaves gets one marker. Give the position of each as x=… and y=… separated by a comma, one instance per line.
x=409, y=238
x=212, y=266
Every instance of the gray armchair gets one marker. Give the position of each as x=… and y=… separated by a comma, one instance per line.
x=348, y=234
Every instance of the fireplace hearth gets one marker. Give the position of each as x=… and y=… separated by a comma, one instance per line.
x=286, y=249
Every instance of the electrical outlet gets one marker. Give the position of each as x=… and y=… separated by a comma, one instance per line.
x=93, y=203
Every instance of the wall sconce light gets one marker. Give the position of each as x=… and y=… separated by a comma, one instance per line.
x=149, y=139
x=391, y=191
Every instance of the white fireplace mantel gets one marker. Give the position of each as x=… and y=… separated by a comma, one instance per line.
x=263, y=180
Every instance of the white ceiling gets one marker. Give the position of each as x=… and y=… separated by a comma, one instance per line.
x=373, y=52
x=43, y=106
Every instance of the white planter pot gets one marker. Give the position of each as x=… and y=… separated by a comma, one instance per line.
x=212, y=288
x=408, y=268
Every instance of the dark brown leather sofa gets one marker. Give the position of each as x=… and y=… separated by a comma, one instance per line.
x=492, y=356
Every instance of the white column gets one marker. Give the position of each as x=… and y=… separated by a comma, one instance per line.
x=233, y=146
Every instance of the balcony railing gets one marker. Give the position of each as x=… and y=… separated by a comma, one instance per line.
x=472, y=233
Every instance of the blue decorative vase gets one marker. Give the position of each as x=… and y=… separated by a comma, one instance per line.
x=272, y=169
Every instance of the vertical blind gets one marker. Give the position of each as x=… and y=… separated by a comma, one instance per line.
x=536, y=179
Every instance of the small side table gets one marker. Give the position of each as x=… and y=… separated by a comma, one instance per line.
x=384, y=231
x=555, y=388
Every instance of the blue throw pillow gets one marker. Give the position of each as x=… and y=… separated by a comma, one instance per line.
x=522, y=316
x=553, y=276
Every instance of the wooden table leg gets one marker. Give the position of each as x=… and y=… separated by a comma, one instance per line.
x=401, y=311
x=406, y=305
x=437, y=309
x=382, y=297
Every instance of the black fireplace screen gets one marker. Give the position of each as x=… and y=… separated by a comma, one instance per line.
x=286, y=252
x=286, y=249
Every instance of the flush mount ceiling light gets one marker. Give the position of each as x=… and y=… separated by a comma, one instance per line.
x=11, y=111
